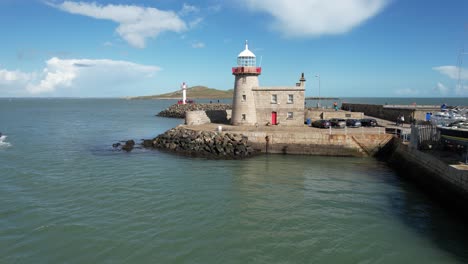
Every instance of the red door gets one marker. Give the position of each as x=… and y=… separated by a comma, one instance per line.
x=273, y=118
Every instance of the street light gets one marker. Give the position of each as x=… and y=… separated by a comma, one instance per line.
x=318, y=76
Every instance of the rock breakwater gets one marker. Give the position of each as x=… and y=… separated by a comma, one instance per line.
x=203, y=143
x=178, y=110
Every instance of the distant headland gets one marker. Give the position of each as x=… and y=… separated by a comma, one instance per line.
x=195, y=92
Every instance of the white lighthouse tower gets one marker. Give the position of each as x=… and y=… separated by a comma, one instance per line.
x=184, y=92
x=246, y=77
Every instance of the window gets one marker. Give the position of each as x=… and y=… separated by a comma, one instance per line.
x=290, y=115
x=290, y=98
x=244, y=97
x=274, y=99
x=243, y=117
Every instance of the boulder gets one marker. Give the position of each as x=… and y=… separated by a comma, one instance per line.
x=205, y=143
x=128, y=146
x=178, y=110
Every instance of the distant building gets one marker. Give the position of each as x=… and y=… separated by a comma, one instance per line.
x=255, y=105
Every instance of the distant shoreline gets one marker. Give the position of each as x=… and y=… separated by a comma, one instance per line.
x=196, y=92
x=322, y=98
x=175, y=98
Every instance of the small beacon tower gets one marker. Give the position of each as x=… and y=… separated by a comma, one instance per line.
x=246, y=77
x=183, y=87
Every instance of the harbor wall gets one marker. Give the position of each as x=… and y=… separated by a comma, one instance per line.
x=317, y=143
x=449, y=182
x=316, y=114
x=206, y=117
x=391, y=112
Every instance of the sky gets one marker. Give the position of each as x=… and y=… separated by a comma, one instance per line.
x=118, y=48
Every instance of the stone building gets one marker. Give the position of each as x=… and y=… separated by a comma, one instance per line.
x=255, y=105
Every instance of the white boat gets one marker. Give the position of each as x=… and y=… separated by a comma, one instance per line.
x=445, y=118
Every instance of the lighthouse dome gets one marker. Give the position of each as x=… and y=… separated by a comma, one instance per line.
x=246, y=57
x=246, y=52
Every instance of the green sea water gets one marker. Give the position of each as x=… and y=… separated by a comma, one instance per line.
x=67, y=197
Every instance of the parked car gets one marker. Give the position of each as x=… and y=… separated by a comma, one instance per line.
x=369, y=122
x=338, y=122
x=353, y=123
x=321, y=123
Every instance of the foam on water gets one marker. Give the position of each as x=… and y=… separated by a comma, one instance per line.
x=4, y=144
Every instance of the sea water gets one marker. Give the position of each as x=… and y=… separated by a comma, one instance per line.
x=66, y=196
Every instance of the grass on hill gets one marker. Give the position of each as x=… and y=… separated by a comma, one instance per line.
x=195, y=92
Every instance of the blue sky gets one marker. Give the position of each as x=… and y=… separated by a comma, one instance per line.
x=360, y=48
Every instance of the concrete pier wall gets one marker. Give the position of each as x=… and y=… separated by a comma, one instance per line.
x=449, y=182
x=316, y=114
x=391, y=112
x=317, y=143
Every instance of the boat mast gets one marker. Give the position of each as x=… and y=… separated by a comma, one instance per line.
x=460, y=61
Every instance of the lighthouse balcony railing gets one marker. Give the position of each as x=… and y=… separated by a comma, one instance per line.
x=240, y=70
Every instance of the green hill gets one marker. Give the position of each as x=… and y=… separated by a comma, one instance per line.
x=195, y=92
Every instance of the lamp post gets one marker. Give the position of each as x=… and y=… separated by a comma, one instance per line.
x=318, y=76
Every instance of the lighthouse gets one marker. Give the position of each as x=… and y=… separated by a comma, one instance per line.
x=183, y=87
x=246, y=78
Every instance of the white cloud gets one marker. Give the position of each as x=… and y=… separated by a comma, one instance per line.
x=136, y=23
x=79, y=77
x=195, y=22
x=10, y=80
x=453, y=72
x=441, y=88
x=80, y=73
x=407, y=92
x=198, y=45
x=214, y=8
x=107, y=44
x=187, y=9
x=10, y=77
x=302, y=18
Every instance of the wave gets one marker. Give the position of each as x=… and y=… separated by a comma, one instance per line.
x=4, y=144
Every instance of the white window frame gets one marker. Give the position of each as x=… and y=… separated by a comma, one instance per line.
x=290, y=98
x=244, y=117
x=274, y=98
x=290, y=115
x=244, y=98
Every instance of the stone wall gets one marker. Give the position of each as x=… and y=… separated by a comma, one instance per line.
x=265, y=106
x=206, y=117
x=317, y=143
x=391, y=112
x=446, y=180
x=316, y=114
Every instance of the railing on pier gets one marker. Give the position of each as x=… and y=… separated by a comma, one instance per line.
x=424, y=136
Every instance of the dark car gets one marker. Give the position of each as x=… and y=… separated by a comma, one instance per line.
x=338, y=122
x=321, y=123
x=369, y=122
x=353, y=123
